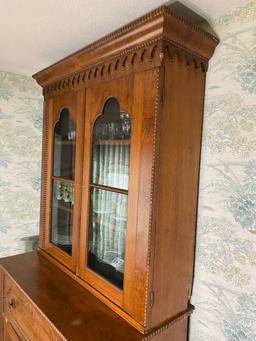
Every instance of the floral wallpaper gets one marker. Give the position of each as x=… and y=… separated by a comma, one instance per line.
x=224, y=290
x=20, y=154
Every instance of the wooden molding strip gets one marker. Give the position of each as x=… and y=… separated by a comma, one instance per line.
x=142, y=57
x=45, y=147
x=172, y=51
x=151, y=223
x=146, y=56
x=164, y=326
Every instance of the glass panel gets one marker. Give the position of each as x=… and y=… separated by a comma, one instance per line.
x=111, y=147
x=64, y=147
x=108, y=215
x=62, y=214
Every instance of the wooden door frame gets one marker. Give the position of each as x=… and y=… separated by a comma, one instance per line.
x=74, y=101
x=122, y=89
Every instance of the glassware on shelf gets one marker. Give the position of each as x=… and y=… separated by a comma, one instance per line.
x=59, y=190
x=64, y=191
x=71, y=135
x=71, y=193
x=111, y=148
x=65, y=194
x=126, y=125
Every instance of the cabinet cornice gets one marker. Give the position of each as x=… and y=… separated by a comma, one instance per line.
x=156, y=26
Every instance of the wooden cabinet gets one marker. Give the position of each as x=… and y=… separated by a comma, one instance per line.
x=121, y=152
x=122, y=135
x=48, y=305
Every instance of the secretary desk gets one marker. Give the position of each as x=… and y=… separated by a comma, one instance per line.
x=122, y=129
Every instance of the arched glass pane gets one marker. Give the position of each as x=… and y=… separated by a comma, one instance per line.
x=62, y=183
x=64, y=147
x=111, y=147
x=109, y=193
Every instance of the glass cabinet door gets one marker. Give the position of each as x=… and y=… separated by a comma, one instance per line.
x=63, y=182
x=62, y=173
x=109, y=192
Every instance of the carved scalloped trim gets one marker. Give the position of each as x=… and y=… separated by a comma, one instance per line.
x=142, y=57
x=139, y=58
x=182, y=316
x=173, y=51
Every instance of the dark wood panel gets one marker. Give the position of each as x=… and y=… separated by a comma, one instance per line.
x=146, y=88
x=176, y=189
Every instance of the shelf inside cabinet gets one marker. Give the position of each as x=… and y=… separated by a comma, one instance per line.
x=113, y=142
x=68, y=142
x=110, y=189
x=59, y=178
x=61, y=207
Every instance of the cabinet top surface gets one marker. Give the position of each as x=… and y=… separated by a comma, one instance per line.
x=72, y=309
x=160, y=24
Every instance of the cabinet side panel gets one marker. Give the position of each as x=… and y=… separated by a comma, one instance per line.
x=140, y=188
x=177, y=189
x=1, y=304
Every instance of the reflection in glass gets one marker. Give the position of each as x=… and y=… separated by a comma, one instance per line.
x=111, y=147
x=64, y=147
x=108, y=206
x=108, y=215
x=62, y=213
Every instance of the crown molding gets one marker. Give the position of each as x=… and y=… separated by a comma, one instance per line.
x=161, y=24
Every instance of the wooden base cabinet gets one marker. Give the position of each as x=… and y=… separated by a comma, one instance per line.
x=42, y=303
x=120, y=165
